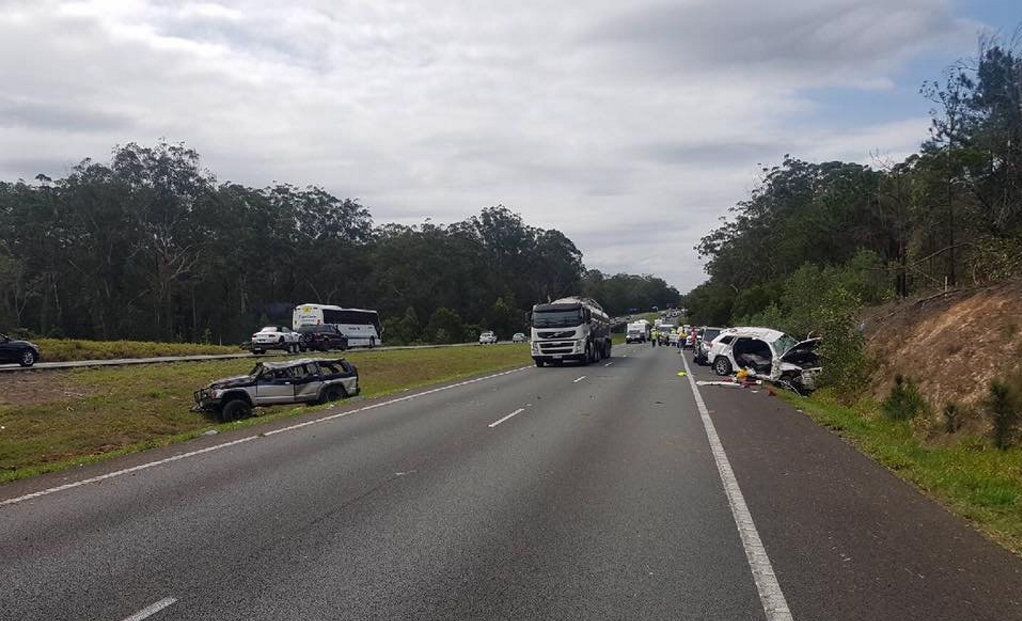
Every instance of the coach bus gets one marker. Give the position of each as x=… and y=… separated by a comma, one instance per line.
x=361, y=326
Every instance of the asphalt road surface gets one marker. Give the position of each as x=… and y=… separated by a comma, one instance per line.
x=599, y=492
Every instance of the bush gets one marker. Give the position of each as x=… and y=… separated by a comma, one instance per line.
x=1002, y=407
x=952, y=417
x=904, y=402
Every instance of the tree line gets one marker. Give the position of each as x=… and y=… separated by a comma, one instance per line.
x=151, y=246
x=948, y=215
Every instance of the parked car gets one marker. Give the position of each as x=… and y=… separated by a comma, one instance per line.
x=704, y=336
x=24, y=353
x=308, y=381
x=519, y=337
x=488, y=338
x=767, y=354
x=321, y=338
x=275, y=337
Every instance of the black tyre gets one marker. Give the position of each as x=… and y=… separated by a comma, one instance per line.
x=722, y=366
x=372, y=342
x=235, y=409
x=539, y=363
x=334, y=393
x=258, y=351
x=27, y=358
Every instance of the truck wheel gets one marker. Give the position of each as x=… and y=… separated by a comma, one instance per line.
x=372, y=342
x=27, y=359
x=539, y=363
x=235, y=409
x=722, y=366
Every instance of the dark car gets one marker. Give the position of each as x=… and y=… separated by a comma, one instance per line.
x=322, y=338
x=24, y=353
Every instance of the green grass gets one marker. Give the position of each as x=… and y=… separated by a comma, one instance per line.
x=62, y=419
x=69, y=350
x=975, y=480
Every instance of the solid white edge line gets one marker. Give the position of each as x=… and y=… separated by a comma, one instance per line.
x=515, y=413
x=151, y=609
x=216, y=447
x=770, y=595
x=578, y=379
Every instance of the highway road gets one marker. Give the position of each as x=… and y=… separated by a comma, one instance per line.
x=613, y=491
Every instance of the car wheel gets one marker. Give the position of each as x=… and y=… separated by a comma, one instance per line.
x=722, y=366
x=334, y=393
x=258, y=351
x=27, y=358
x=235, y=409
x=372, y=342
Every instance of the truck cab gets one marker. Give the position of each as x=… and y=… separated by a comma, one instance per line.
x=573, y=329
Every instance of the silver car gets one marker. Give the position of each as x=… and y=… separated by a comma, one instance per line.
x=279, y=383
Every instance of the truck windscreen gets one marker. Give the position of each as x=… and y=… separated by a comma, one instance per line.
x=556, y=319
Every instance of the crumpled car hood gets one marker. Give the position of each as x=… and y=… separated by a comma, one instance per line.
x=228, y=382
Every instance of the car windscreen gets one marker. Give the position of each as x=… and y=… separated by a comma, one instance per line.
x=708, y=335
x=784, y=343
x=556, y=319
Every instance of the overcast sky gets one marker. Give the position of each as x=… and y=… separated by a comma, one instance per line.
x=630, y=126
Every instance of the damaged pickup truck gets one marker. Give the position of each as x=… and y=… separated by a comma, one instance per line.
x=278, y=383
x=769, y=355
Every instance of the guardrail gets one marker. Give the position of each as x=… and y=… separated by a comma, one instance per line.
x=76, y=364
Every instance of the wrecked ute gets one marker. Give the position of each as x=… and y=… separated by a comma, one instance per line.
x=309, y=381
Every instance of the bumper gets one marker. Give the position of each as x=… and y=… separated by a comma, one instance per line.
x=204, y=401
x=559, y=350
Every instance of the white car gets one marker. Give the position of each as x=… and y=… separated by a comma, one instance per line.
x=487, y=338
x=275, y=337
x=767, y=354
x=519, y=337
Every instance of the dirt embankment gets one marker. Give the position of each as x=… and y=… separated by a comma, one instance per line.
x=952, y=345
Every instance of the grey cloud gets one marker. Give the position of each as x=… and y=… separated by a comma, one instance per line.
x=751, y=35
x=709, y=153
x=59, y=116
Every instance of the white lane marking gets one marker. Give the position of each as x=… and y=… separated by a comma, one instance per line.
x=515, y=413
x=770, y=595
x=151, y=609
x=608, y=364
x=217, y=447
x=578, y=379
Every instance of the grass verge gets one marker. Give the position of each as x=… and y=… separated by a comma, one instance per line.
x=71, y=350
x=55, y=420
x=965, y=473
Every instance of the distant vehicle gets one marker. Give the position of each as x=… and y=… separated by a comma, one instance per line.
x=361, y=326
x=768, y=354
x=519, y=337
x=704, y=336
x=637, y=332
x=570, y=328
x=24, y=353
x=278, y=383
x=488, y=338
x=275, y=337
x=674, y=336
x=321, y=338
